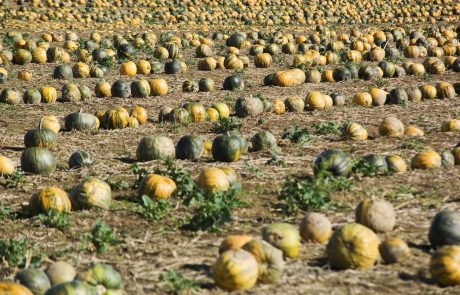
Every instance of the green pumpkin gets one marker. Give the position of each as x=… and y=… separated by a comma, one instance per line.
x=367, y=72
x=70, y=93
x=92, y=192
x=236, y=40
x=269, y=80
x=334, y=161
x=96, y=72
x=206, y=85
x=155, y=147
x=173, y=50
x=227, y=148
x=190, y=147
x=140, y=88
x=263, y=140
x=121, y=89
x=398, y=96
x=248, y=106
x=71, y=288
x=341, y=74
x=157, y=67
x=54, y=54
x=268, y=105
x=81, y=121
x=196, y=111
x=103, y=275
x=233, y=82
x=190, y=86
x=180, y=116
x=34, y=279
x=38, y=161
x=388, y=69
x=127, y=51
x=32, y=96
x=63, y=72
x=40, y=137
x=22, y=57
x=173, y=67
x=377, y=164
x=445, y=229
x=86, y=93
x=10, y=96
x=81, y=159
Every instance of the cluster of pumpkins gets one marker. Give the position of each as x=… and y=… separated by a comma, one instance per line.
x=62, y=278
x=130, y=13
x=245, y=260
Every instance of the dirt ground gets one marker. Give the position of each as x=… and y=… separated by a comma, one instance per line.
x=148, y=248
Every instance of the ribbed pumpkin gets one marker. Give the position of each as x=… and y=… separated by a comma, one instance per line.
x=173, y=67
x=50, y=198
x=116, y=118
x=445, y=90
x=428, y=92
x=128, y=68
x=391, y=127
x=70, y=287
x=213, y=179
x=263, y=140
x=269, y=258
x=22, y=57
x=140, y=114
x=414, y=94
x=394, y=250
x=426, y=160
x=81, y=121
x=64, y=72
x=190, y=147
x=155, y=147
x=179, y=116
x=140, y=88
x=353, y=246
x=157, y=186
x=396, y=164
x=445, y=229
x=80, y=159
x=398, y=96
x=377, y=215
x=235, y=270
x=334, y=161
x=206, y=85
x=315, y=227
x=159, y=87
x=283, y=236
x=227, y=148
x=315, y=100
x=445, y=266
x=34, y=279
x=92, y=192
x=49, y=94
x=248, y=106
x=6, y=166
x=362, y=99
x=289, y=78
x=356, y=132
x=40, y=137
x=9, y=288
x=120, y=89
x=38, y=161
x=212, y=114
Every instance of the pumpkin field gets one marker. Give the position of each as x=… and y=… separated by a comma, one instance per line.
x=241, y=146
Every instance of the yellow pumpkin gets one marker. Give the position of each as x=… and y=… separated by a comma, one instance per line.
x=222, y=108
x=315, y=227
x=426, y=160
x=81, y=70
x=315, y=101
x=48, y=199
x=263, y=60
x=128, y=68
x=413, y=131
x=159, y=87
x=327, y=76
x=39, y=55
x=6, y=166
x=143, y=67
x=445, y=266
x=235, y=270
x=25, y=75
x=103, y=89
x=362, y=99
x=278, y=106
x=49, y=94
x=207, y=148
x=289, y=78
x=396, y=164
x=10, y=288
x=353, y=246
x=233, y=242
x=356, y=132
x=428, y=92
x=51, y=122
x=377, y=215
x=213, y=179
x=379, y=96
x=451, y=125
x=140, y=114
x=213, y=114
x=393, y=250
x=391, y=127
x=157, y=186
x=283, y=236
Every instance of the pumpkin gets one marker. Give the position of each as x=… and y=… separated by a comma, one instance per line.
x=213, y=179
x=263, y=60
x=269, y=80
x=22, y=57
x=377, y=215
x=212, y=114
x=128, y=68
x=353, y=246
x=157, y=186
x=447, y=158
x=38, y=161
x=367, y=73
x=80, y=159
x=233, y=82
x=445, y=90
x=155, y=147
x=6, y=166
x=48, y=199
x=116, y=118
x=140, y=114
x=414, y=94
x=341, y=74
x=289, y=78
x=263, y=140
x=173, y=67
x=283, y=236
x=413, y=131
x=81, y=121
x=10, y=96
x=190, y=147
x=73, y=287
x=49, y=94
x=40, y=137
x=159, y=87
x=451, y=125
x=64, y=72
x=60, y=272
x=379, y=96
x=269, y=259
x=235, y=270
x=396, y=164
x=140, y=88
x=80, y=70
x=236, y=40
x=222, y=108
x=233, y=242
x=362, y=99
x=391, y=127
x=92, y=192
x=143, y=67
x=428, y=92
x=70, y=93
x=197, y=111
x=103, y=89
x=190, y=86
x=32, y=96
x=126, y=51
x=388, y=68
x=9, y=288
x=315, y=100
x=356, y=132
x=334, y=161
x=227, y=148
x=120, y=89
x=444, y=229
x=207, y=64
x=376, y=163
x=96, y=72
x=426, y=160
x=445, y=264
x=206, y=85
x=34, y=279
x=248, y=106
x=231, y=175
x=337, y=99
x=315, y=227
x=39, y=55
x=85, y=92
x=102, y=277
x=180, y=116
x=393, y=250
x=398, y=96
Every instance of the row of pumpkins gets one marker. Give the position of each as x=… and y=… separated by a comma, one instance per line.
x=126, y=14
x=62, y=278
x=245, y=260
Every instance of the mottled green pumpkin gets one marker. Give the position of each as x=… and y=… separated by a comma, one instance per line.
x=32, y=96
x=398, y=96
x=155, y=147
x=34, y=279
x=334, y=161
x=40, y=137
x=140, y=88
x=445, y=229
x=85, y=92
x=92, y=192
x=190, y=147
x=263, y=140
x=81, y=121
x=70, y=93
x=173, y=67
x=196, y=110
x=227, y=148
x=180, y=116
x=236, y=40
x=81, y=159
x=121, y=89
x=103, y=275
x=38, y=160
x=190, y=86
x=233, y=82
x=63, y=72
x=377, y=164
